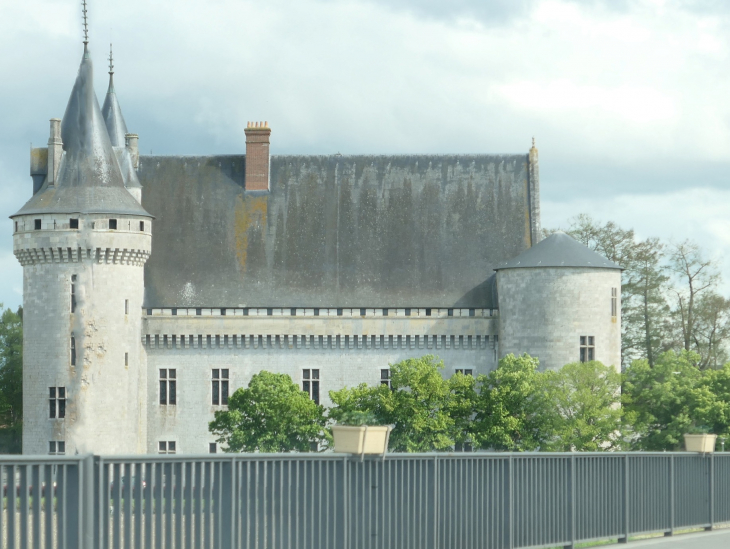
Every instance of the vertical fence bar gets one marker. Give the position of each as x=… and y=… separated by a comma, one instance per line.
x=72, y=481
x=626, y=496
x=38, y=494
x=571, y=503
x=436, y=502
x=510, y=502
x=86, y=502
x=227, y=507
x=672, y=496
x=712, y=492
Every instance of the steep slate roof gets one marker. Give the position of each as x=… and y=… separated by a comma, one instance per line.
x=334, y=231
x=558, y=250
x=89, y=178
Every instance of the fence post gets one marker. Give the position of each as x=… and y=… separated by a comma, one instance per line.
x=510, y=506
x=228, y=491
x=86, y=502
x=571, y=503
x=625, y=539
x=672, y=474
x=435, y=501
x=712, y=492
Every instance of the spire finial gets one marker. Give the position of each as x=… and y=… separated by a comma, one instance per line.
x=111, y=63
x=86, y=24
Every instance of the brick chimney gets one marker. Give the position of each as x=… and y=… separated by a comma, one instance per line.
x=257, y=156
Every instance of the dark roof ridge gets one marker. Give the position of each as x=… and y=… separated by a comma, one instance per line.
x=558, y=250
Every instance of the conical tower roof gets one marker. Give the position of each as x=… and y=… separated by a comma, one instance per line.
x=558, y=250
x=89, y=178
x=112, y=112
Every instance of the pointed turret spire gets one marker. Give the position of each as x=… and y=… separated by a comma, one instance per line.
x=112, y=112
x=89, y=178
x=86, y=26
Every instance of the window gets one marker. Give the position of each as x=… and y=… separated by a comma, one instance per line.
x=126, y=306
x=141, y=226
x=112, y=224
x=73, y=293
x=587, y=348
x=126, y=359
x=73, y=351
x=168, y=393
x=57, y=400
x=466, y=372
x=385, y=377
x=310, y=384
x=212, y=448
x=37, y=224
x=167, y=447
x=220, y=387
x=73, y=223
x=16, y=226
x=56, y=447
x=614, y=302
x=463, y=447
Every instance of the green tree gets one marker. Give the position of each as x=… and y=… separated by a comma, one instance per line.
x=11, y=381
x=697, y=276
x=271, y=415
x=513, y=410
x=461, y=408
x=661, y=403
x=418, y=405
x=587, y=397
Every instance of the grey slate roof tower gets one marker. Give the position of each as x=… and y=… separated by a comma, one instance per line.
x=83, y=240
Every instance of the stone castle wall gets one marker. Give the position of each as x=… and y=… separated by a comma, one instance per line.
x=545, y=311
x=105, y=403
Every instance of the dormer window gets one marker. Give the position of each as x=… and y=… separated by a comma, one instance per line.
x=112, y=224
x=37, y=224
x=73, y=223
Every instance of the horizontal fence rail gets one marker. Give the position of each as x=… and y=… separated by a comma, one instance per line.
x=337, y=501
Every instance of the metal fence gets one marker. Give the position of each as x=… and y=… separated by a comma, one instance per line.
x=335, y=501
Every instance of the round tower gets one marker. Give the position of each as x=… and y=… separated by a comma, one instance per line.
x=83, y=240
x=561, y=302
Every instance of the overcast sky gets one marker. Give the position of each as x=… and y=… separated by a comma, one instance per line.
x=627, y=99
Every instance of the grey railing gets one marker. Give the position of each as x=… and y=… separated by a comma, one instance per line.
x=335, y=501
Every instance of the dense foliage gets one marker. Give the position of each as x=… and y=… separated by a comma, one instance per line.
x=271, y=415
x=11, y=381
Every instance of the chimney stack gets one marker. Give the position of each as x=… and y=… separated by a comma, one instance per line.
x=131, y=141
x=55, y=150
x=257, y=156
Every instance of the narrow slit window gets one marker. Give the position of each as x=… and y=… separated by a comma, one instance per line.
x=73, y=351
x=73, y=223
x=587, y=348
x=310, y=384
x=614, y=302
x=168, y=386
x=141, y=226
x=126, y=359
x=73, y=293
x=112, y=224
x=126, y=306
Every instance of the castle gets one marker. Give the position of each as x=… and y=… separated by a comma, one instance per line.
x=154, y=286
